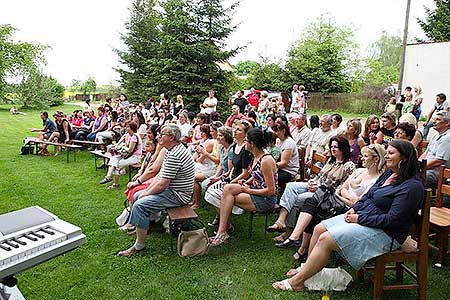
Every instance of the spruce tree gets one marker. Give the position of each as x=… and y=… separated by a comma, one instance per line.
x=174, y=49
x=437, y=22
x=143, y=44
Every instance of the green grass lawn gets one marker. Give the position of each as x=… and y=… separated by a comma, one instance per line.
x=243, y=269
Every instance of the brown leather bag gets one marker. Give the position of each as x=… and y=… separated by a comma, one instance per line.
x=193, y=242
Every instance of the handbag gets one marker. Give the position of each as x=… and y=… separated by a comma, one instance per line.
x=26, y=150
x=328, y=205
x=193, y=239
x=124, y=217
x=124, y=153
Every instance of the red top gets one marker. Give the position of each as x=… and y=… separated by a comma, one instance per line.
x=253, y=98
x=77, y=122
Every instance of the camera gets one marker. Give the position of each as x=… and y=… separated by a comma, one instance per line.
x=305, y=94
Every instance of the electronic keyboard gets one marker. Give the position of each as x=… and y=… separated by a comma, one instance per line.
x=32, y=236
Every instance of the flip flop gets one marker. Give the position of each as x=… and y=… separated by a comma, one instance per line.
x=288, y=243
x=283, y=285
x=293, y=272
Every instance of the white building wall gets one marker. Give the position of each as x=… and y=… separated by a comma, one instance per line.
x=428, y=65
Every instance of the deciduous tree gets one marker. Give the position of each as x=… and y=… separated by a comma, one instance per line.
x=17, y=59
x=322, y=58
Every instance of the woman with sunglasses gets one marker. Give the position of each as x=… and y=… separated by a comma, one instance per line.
x=333, y=174
x=239, y=160
x=378, y=223
x=356, y=185
x=256, y=194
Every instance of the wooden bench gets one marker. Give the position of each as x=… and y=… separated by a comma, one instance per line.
x=88, y=143
x=180, y=213
x=105, y=156
x=69, y=147
x=440, y=216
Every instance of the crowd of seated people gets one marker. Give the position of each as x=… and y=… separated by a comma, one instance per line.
x=252, y=162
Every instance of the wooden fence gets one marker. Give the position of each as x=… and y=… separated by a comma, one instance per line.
x=345, y=102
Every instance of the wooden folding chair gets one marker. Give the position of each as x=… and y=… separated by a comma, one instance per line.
x=410, y=251
x=317, y=157
x=301, y=155
x=440, y=216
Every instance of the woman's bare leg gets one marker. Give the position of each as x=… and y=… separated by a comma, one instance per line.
x=303, y=220
x=316, y=261
x=226, y=206
x=197, y=194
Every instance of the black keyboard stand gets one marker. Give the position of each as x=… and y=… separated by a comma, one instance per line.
x=9, y=290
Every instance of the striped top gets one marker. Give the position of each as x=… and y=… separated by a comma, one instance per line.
x=178, y=166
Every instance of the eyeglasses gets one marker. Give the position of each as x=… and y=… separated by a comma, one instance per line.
x=372, y=147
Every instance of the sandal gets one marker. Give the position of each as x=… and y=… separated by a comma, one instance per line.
x=300, y=257
x=288, y=243
x=283, y=285
x=113, y=186
x=106, y=180
x=214, y=223
x=129, y=252
x=277, y=227
x=219, y=239
x=280, y=238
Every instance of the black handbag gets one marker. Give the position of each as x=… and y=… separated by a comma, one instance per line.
x=328, y=205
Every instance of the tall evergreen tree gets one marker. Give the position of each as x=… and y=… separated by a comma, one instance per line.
x=174, y=49
x=437, y=22
x=143, y=44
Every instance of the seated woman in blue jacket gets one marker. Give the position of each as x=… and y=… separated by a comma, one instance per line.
x=377, y=224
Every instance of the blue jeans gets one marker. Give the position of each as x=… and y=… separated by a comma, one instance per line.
x=151, y=204
x=426, y=129
x=91, y=136
x=291, y=194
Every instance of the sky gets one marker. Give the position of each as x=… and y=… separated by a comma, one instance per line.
x=83, y=33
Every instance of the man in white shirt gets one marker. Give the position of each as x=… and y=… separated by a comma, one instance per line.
x=209, y=104
x=441, y=104
x=438, y=150
x=320, y=137
x=301, y=132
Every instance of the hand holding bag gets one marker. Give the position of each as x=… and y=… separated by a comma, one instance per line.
x=127, y=153
x=328, y=205
x=193, y=242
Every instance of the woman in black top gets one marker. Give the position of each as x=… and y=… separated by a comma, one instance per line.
x=388, y=128
x=63, y=131
x=239, y=160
